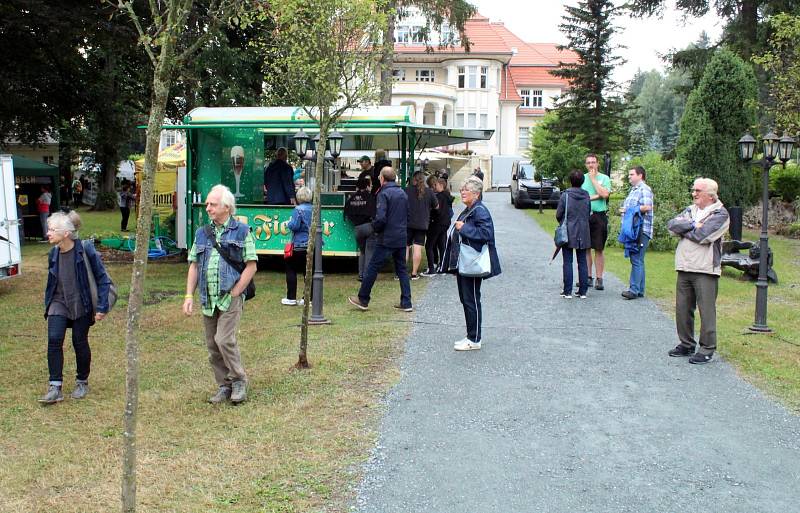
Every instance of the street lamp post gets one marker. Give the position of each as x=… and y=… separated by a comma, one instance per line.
x=318, y=277
x=773, y=147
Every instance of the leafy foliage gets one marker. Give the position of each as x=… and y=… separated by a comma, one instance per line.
x=782, y=61
x=785, y=182
x=656, y=107
x=717, y=113
x=552, y=152
x=670, y=197
x=590, y=112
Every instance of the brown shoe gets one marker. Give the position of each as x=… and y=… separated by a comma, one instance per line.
x=355, y=301
x=404, y=308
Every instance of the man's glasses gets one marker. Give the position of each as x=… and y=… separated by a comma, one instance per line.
x=696, y=190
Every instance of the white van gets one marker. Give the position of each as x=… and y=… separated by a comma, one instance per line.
x=10, y=249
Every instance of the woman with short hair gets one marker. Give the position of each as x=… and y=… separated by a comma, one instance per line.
x=473, y=227
x=577, y=212
x=299, y=224
x=68, y=302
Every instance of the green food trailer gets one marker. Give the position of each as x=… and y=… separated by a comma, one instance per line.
x=212, y=132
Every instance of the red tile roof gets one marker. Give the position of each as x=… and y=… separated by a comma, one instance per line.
x=529, y=63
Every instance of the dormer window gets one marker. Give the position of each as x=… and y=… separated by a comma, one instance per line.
x=531, y=98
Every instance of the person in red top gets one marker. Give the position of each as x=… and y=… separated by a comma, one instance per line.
x=43, y=208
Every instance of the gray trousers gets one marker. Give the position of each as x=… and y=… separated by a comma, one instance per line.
x=697, y=291
x=366, y=247
x=223, y=350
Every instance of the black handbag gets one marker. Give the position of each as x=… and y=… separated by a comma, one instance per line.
x=250, y=290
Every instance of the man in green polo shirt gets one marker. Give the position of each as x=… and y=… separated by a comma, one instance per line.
x=222, y=290
x=598, y=186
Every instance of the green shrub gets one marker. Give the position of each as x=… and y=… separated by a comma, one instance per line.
x=670, y=195
x=785, y=182
x=106, y=201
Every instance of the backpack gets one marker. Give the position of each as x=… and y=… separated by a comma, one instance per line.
x=112, y=289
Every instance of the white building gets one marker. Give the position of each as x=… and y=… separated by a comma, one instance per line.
x=502, y=83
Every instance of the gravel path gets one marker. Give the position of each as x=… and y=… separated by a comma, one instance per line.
x=571, y=406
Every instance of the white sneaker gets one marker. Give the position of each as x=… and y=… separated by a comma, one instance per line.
x=289, y=302
x=467, y=345
x=301, y=302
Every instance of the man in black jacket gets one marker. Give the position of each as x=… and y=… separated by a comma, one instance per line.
x=278, y=182
x=391, y=222
x=380, y=163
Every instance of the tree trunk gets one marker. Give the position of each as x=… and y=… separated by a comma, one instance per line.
x=748, y=17
x=387, y=57
x=158, y=102
x=316, y=221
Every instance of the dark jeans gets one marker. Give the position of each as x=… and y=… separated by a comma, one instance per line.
x=56, y=332
x=294, y=265
x=366, y=246
x=375, y=264
x=126, y=212
x=432, y=250
x=583, y=271
x=469, y=292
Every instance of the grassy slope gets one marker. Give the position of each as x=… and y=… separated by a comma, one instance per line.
x=772, y=362
x=294, y=446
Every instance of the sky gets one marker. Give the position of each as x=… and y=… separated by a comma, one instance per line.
x=645, y=39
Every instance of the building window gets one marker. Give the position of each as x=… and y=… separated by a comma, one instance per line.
x=460, y=119
x=170, y=137
x=531, y=98
x=472, y=120
x=399, y=75
x=425, y=75
x=49, y=159
x=473, y=77
x=524, y=137
x=409, y=34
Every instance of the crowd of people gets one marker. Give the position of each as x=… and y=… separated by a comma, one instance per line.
x=391, y=221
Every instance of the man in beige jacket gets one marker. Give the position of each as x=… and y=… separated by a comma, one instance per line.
x=697, y=260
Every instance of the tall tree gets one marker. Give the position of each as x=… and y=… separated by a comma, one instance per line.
x=782, y=61
x=328, y=61
x=163, y=36
x=452, y=14
x=656, y=109
x=717, y=113
x=590, y=111
x=554, y=152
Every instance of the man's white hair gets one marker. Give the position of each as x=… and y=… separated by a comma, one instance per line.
x=710, y=187
x=226, y=197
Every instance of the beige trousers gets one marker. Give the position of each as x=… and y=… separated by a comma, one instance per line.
x=223, y=350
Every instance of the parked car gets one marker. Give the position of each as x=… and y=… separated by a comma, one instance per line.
x=526, y=191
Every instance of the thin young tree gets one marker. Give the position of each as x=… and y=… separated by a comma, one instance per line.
x=591, y=112
x=163, y=34
x=326, y=50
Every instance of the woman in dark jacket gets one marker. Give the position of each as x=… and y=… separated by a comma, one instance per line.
x=421, y=202
x=299, y=225
x=475, y=228
x=68, y=302
x=577, y=213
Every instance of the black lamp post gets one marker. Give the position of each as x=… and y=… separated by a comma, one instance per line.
x=773, y=147
x=318, y=277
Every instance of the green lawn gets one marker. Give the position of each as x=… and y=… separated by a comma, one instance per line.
x=772, y=362
x=296, y=445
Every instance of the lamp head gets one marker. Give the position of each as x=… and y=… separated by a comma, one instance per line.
x=771, y=142
x=747, y=147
